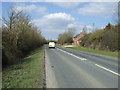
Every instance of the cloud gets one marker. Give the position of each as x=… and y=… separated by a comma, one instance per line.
x=29, y=8
x=60, y=0
x=81, y=0
x=25, y=8
x=98, y=9
x=54, y=23
x=41, y=9
x=79, y=27
x=67, y=4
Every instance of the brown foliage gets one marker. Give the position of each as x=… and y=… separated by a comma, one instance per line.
x=106, y=39
x=19, y=37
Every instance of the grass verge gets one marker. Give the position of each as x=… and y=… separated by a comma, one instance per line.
x=26, y=74
x=102, y=52
x=59, y=45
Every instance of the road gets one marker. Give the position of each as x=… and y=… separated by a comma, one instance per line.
x=67, y=68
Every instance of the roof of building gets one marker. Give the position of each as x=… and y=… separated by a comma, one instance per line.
x=78, y=35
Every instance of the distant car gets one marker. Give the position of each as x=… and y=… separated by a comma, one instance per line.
x=51, y=44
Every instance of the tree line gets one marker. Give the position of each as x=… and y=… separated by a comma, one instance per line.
x=19, y=37
x=66, y=37
x=104, y=39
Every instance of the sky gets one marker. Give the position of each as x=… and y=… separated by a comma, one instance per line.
x=54, y=18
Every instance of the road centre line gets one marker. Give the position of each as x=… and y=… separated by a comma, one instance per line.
x=83, y=59
x=107, y=69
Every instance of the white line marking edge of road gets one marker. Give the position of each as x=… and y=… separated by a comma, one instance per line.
x=107, y=69
x=83, y=59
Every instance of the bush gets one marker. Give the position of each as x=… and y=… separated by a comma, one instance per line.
x=106, y=39
x=19, y=37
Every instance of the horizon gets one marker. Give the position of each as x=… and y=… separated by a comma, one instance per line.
x=54, y=18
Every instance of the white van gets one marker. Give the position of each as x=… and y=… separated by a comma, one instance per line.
x=51, y=44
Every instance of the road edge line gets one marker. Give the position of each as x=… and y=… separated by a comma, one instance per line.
x=107, y=69
x=82, y=59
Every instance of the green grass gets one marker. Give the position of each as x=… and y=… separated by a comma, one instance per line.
x=59, y=45
x=102, y=52
x=26, y=74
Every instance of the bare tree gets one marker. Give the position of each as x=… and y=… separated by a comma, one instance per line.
x=19, y=36
x=84, y=30
x=66, y=37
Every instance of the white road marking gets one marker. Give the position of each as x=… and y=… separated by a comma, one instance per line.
x=86, y=59
x=107, y=69
x=83, y=59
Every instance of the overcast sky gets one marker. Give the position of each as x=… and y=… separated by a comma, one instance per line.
x=53, y=18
